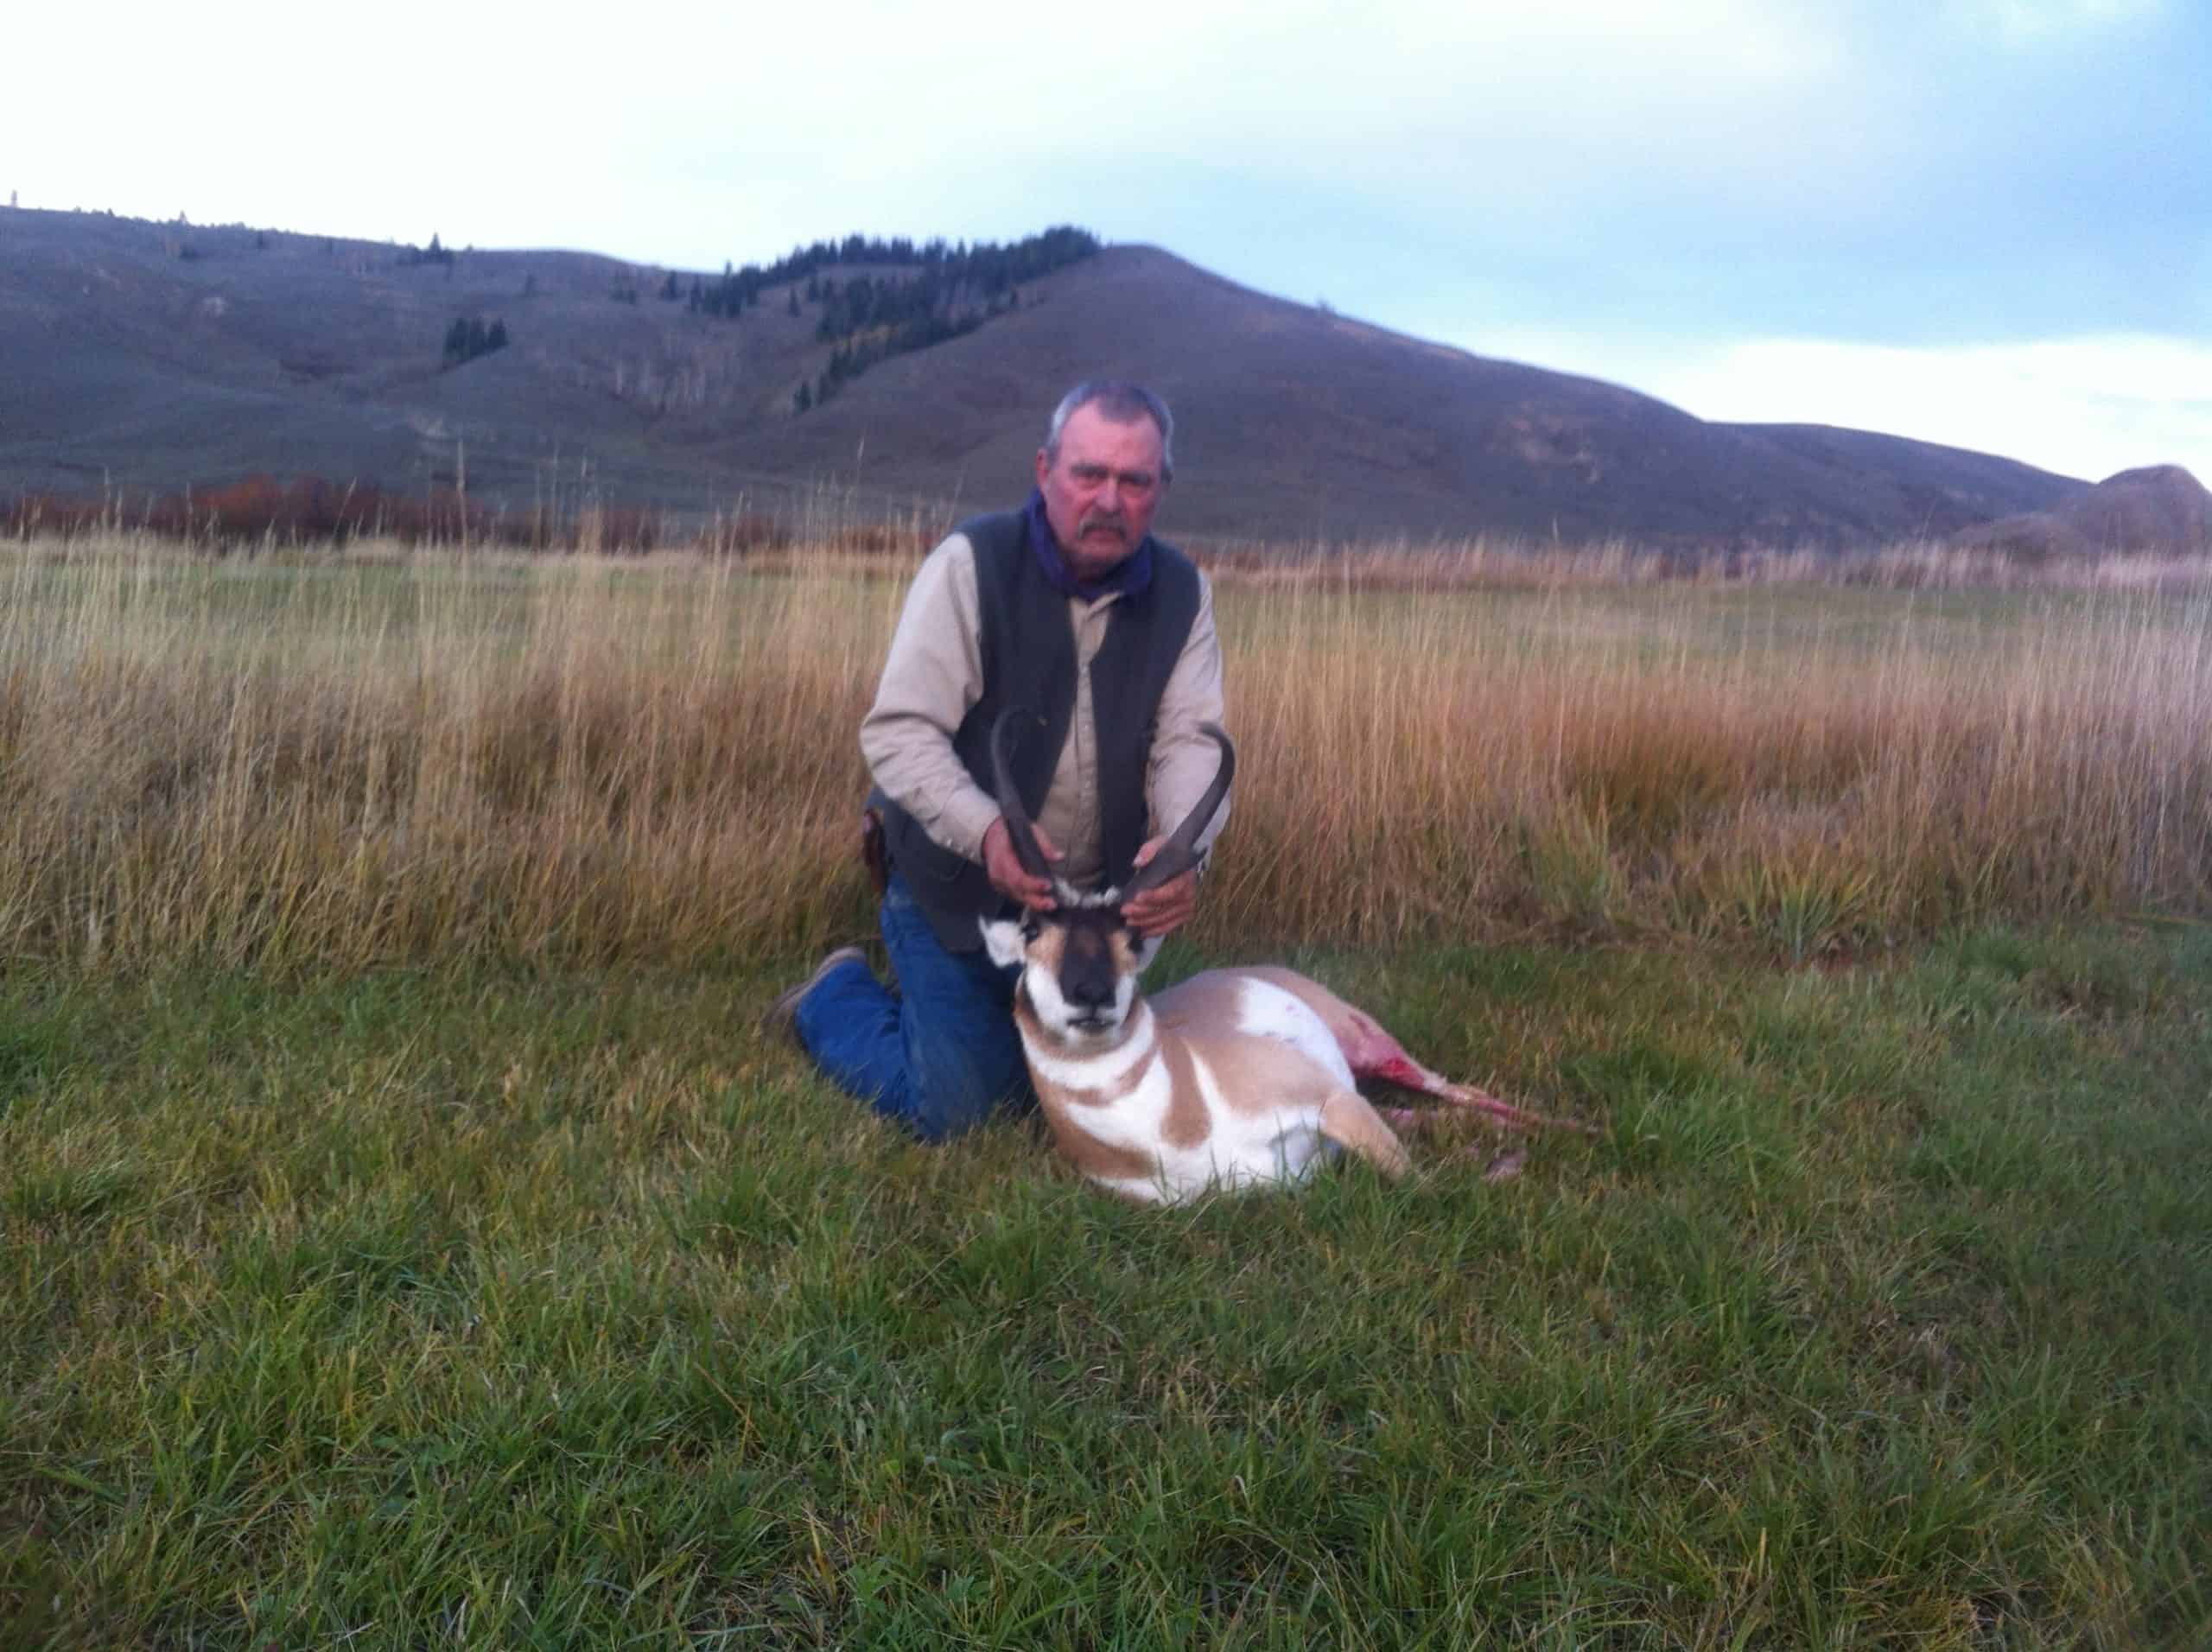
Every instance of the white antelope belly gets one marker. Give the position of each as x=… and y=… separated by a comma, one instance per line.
x=1268, y=1139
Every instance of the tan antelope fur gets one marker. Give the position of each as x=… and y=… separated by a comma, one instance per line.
x=1232, y=1079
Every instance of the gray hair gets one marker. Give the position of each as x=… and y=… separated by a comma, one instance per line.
x=1124, y=403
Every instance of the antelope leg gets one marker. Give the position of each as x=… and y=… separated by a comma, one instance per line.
x=1373, y=1053
x=1348, y=1121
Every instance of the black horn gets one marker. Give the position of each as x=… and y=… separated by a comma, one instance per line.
x=1019, y=831
x=1180, y=852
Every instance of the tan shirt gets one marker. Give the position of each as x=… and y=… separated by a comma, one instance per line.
x=934, y=674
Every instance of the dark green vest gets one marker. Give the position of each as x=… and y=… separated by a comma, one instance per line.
x=1029, y=662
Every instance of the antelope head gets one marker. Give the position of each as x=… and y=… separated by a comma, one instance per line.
x=1080, y=959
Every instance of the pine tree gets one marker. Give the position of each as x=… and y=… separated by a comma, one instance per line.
x=497, y=338
x=801, y=399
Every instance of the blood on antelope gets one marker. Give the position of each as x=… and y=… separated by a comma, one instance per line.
x=1232, y=1078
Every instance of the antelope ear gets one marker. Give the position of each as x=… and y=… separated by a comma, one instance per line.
x=1003, y=940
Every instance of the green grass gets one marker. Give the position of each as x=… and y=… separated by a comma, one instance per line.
x=558, y=1309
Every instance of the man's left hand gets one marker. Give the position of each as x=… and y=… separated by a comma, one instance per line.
x=1161, y=911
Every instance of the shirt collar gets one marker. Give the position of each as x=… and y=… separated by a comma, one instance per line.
x=1128, y=578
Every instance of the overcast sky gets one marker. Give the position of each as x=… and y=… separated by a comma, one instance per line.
x=1986, y=222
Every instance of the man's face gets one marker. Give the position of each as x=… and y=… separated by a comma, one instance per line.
x=1100, y=492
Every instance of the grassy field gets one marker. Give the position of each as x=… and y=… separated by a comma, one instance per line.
x=288, y=762
x=407, y=1238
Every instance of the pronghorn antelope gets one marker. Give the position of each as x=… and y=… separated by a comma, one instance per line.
x=1234, y=1076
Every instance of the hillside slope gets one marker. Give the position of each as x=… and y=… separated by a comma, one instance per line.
x=158, y=356
x=1292, y=421
x=2159, y=508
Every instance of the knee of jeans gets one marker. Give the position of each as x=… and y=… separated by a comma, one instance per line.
x=953, y=1088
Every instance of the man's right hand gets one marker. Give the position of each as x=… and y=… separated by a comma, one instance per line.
x=1005, y=869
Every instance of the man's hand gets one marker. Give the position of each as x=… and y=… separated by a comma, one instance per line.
x=1161, y=911
x=1004, y=866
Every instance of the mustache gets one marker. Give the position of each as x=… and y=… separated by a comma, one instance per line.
x=1103, y=520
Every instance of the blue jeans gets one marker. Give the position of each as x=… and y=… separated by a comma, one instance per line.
x=938, y=1057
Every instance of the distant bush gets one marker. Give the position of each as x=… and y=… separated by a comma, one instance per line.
x=315, y=511
x=257, y=507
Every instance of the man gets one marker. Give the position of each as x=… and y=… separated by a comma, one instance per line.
x=1069, y=610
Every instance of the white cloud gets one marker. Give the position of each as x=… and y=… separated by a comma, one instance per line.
x=552, y=114
x=2034, y=22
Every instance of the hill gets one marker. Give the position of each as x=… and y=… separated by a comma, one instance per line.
x=158, y=356
x=2159, y=508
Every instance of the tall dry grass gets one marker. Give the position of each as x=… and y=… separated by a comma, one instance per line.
x=326, y=761
x=424, y=756
x=1813, y=767
x=1503, y=563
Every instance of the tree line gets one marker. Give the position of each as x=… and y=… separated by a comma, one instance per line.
x=468, y=337
x=985, y=266
x=872, y=318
